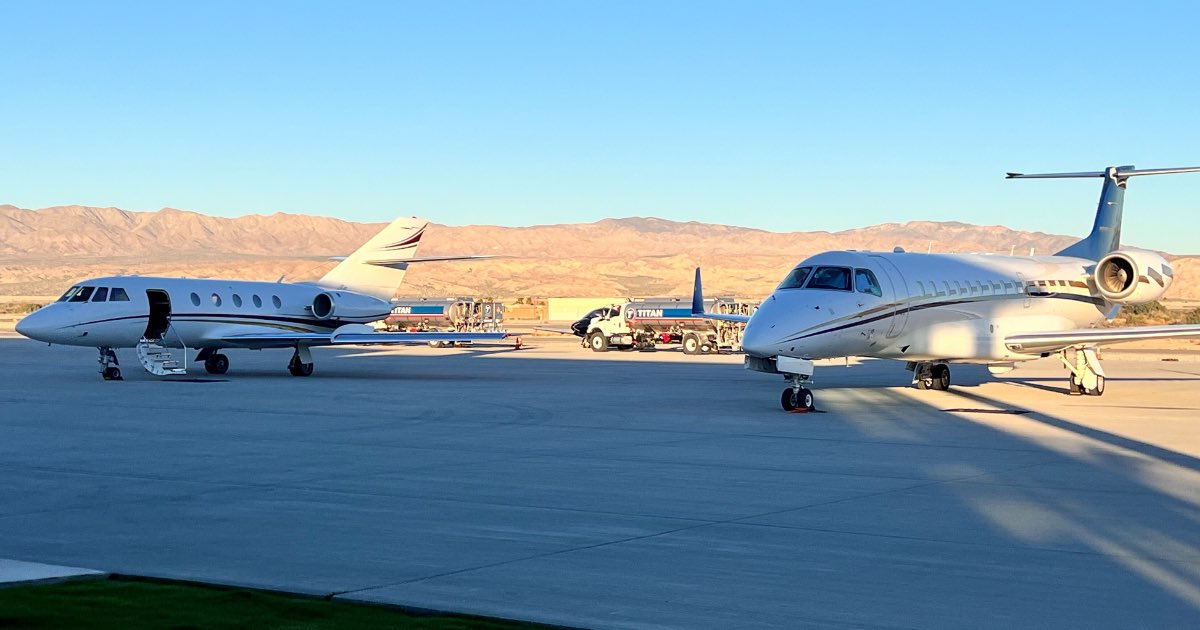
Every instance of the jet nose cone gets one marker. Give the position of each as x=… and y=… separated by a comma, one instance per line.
x=34, y=326
x=755, y=340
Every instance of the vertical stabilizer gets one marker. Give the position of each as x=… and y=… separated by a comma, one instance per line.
x=377, y=268
x=1105, y=236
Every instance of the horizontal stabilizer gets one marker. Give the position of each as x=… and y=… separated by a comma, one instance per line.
x=1115, y=172
x=1036, y=343
x=401, y=263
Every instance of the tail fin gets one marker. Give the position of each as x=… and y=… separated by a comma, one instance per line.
x=1105, y=236
x=377, y=268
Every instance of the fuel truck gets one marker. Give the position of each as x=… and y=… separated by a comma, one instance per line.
x=645, y=324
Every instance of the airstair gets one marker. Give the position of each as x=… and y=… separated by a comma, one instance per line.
x=157, y=359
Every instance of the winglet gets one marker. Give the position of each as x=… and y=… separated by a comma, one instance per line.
x=697, y=296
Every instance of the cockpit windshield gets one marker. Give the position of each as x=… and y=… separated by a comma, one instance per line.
x=82, y=294
x=70, y=292
x=833, y=278
x=795, y=278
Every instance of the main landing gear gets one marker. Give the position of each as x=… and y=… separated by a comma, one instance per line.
x=301, y=363
x=108, y=364
x=1087, y=377
x=214, y=361
x=928, y=375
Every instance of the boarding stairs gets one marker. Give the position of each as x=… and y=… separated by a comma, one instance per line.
x=157, y=358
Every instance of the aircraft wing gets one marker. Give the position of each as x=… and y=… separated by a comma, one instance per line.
x=359, y=334
x=698, y=306
x=1033, y=343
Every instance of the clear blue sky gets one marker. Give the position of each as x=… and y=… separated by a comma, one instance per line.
x=778, y=115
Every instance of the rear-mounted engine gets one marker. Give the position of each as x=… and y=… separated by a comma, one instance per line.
x=1132, y=277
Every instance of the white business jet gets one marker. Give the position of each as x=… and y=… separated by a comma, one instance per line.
x=155, y=314
x=935, y=309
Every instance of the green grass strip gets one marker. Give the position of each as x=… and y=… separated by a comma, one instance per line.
x=132, y=603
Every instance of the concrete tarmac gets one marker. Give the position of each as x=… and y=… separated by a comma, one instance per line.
x=647, y=490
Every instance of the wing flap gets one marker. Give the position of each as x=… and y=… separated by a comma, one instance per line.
x=1032, y=343
x=359, y=334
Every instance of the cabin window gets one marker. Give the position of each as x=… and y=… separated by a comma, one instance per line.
x=195, y=300
x=257, y=301
x=69, y=293
x=866, y=282
x=237, y=300
x=920, y=287
x=216, y=299
x=1008, y=286
x=83, y=294
x=933, y=288
x=276, y=302
x=101, y=295
x=118, y=295
x=949, y=291
x=830, y=278
x=795, y=278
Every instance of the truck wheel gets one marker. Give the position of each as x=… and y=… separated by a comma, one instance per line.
x=598, y=342
x=691, y=344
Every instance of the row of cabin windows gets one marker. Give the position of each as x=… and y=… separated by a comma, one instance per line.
x=237, y=300
x=94, y=294
x=981, y=287
x=967, y=287
x=833, y=279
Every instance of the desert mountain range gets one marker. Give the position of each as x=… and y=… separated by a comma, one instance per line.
x=43, y=251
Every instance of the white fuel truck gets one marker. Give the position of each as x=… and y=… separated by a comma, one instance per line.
x=460, y=314
x=645, y=324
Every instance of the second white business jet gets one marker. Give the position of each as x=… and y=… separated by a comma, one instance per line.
x=155, y=314
x=935, y=309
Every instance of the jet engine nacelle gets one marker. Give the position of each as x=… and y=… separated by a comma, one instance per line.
x=346, y=305
x=1132, y=276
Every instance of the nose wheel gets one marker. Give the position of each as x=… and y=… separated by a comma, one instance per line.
x=800, y=399
x=109, y=369
x=797, y=397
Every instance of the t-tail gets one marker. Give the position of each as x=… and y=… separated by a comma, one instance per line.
x=1105, y=236
x=377, y=268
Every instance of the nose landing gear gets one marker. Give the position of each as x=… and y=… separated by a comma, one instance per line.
x=798, y=371
x=108, y=364
x=797, y=397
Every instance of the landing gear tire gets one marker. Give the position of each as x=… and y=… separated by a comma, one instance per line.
x=1098, y=390
x=924, y=383
x=1076, y=388
x=793, y=400
x=598, y=342
x=216, y=363
x=112, y=374
x=691, y=344
x=941, y=377
x=296, y=368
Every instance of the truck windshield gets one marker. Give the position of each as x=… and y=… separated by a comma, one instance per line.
x=795, y=278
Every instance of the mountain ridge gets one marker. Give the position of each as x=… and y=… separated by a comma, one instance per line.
x=44, y=250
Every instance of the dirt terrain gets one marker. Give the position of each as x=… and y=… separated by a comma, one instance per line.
x=43, y=251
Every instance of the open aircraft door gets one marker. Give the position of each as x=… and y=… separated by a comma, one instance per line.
x=899, y=287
